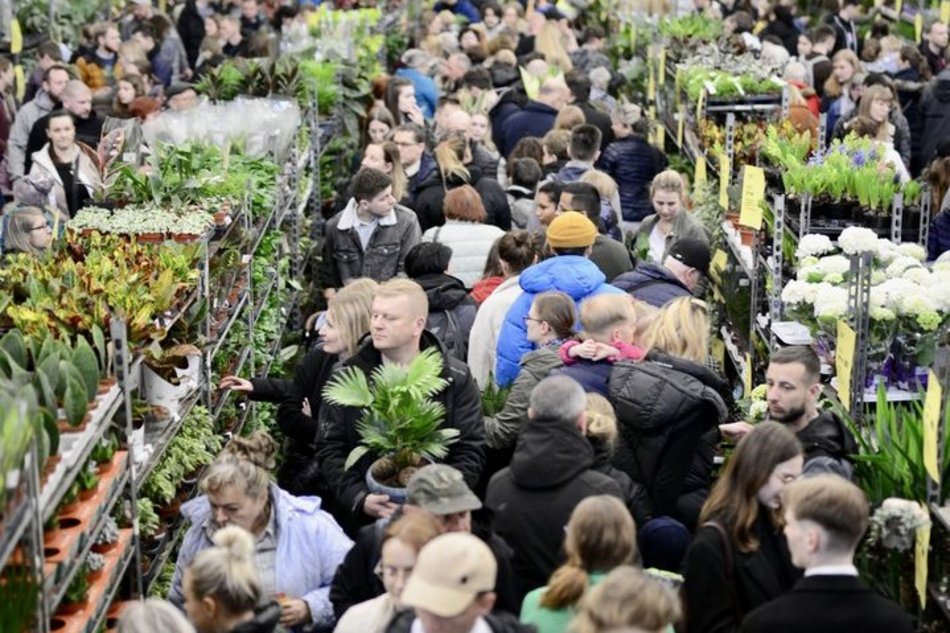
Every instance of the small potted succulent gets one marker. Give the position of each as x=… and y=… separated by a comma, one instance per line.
x=88, y=480
x=107, y=538
x=77, y=594
x=95, y=566
x=103, y=452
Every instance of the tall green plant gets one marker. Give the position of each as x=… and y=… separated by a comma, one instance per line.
x=400, y=419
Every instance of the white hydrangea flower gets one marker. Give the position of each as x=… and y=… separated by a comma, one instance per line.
x=834, y=265
x=877, y=277
x=813, y=245
x=941, y=266
x=882, y=314
x=886, y=251
x=918, y=275
x=811, y=260
x=899, y=265
x=810, y=274
x=895, y=290
x=758, y=409
x=912, y=249
x=940, y=295
x=856, y=239
x=796, y=292
x=831, y=302
x=835, y=279
x=916, y=304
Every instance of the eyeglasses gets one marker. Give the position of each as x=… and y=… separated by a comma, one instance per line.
x=39, y=228
x=526, y=318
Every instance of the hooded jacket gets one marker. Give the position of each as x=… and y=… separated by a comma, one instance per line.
x=828, y=445
x=652, y=284
x=632, y=163
x=574, y=275
x=310, y=547
x=86, y=176
x=668, y=410
x=550, y=473
x=483, y=339
x=430, y=198
x=522, y=205
x=462, y=403
x=634, y=494
x=685, y=224
x=385, y=255
x=88, y=131
x=426, y=167
x=934, y=115
x=451, y=312
x=470, y=243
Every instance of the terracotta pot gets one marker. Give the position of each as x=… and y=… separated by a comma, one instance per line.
x=64, y=426
x=185, y=238
x=151, y=238
x=93, y=576
x=748, y=237
x=86, y=495
x=72, y=608
x=104, y=547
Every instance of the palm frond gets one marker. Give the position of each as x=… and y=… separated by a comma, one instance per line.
x=349, y=388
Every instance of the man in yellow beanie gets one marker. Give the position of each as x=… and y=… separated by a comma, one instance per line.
x=570, y=237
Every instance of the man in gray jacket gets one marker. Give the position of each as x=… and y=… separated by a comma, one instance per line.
x=370, y=237
x=47, y=99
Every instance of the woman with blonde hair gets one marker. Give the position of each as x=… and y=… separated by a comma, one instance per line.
x=346, y=323
x=401, y=543
x=666, y=441
x=297, y=546
x=837, y=101
x=739, y=559
x=550, y=42
x=600, y=536
x=222, y=590
x=26, y=230
x=669, y=223
x=609, y=198
x=627, y=600
x=151, y=615
x=384, y=156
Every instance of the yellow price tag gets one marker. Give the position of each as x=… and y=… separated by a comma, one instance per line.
x=163, y=6
x=724, y=180
x=651, y=85
x=661, y=74
x=918, y=27
x=19, y=78
x=651, y=111
x=633, y=38
x=700, y=104
x=699, y=177
x=921, y=549
x=680, y=125
x=844, y=361
x=718, y=264
x=747, y=375
x=932, y=402
x=16, y=37
x=718, y=351
x=753, y=192
x=898, y=7
x=678, y=85
x=660, y=139
x=945, y=11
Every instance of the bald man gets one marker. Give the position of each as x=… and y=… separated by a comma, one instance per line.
x=398, y=336
x=77, y=100
x=537, y=118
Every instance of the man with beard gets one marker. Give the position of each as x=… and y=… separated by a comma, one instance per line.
x=793, y=388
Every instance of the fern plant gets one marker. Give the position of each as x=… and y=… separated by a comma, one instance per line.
x=400, y=422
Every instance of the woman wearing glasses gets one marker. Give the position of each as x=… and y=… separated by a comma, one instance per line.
x=401, y=544
x=739, y=558
x=26, y=230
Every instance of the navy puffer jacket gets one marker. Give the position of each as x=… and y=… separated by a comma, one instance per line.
x=632, y=163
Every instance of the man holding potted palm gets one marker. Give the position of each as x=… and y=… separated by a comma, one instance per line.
x=437, y=415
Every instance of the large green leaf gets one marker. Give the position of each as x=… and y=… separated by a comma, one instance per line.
x=84, y=360
x=15, y=346
x=75, y=403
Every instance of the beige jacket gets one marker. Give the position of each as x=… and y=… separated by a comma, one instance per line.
x=88, y=176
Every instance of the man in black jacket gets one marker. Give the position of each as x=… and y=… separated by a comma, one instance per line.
x=439, y=491
x=793, y=388
x=400, y=309
x=77, y=100
x=825, y=518
x=579, y=84
x=550, y=473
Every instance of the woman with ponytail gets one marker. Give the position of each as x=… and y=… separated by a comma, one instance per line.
x=297, y=547
x=453, y=157
x=222, y=591
x=601, y=535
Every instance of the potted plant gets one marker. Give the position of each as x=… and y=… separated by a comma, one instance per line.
x=70, y=502
x=95, y=565
x=88, y=480
x=20, y=590
x=77, y=594
x=103, y=452
x=107, y=538
x=150, y=526
x=400, y=424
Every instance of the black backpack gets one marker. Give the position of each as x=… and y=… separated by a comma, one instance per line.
x=446, y=328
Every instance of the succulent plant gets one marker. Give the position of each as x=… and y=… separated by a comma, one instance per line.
x=95, y=562
x=109, y=533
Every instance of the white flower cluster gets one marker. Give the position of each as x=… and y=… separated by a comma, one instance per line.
x=831, y=302
x=798, y=292
x=856, y=239
x=901, y=264
x=812, y=245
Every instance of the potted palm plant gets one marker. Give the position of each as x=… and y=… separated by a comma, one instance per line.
x=400, y=423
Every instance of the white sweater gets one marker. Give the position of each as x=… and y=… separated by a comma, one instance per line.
x=483, y=339
x=470, y=243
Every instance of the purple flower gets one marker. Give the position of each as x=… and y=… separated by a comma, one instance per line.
x=816, y=159
x=859, y=158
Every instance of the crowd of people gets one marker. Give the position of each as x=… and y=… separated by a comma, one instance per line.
x=509, y=213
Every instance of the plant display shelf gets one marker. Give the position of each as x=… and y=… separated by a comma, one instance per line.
x=82, y=444
x=58, y=578
x=225, y=395
x=25, y=514
x=160, y=438
x=173, y=538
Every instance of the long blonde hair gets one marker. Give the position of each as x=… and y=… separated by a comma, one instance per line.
x=450, y=156
x=681, y=329
x=601, y=420
x=601, y=535
x=226, y=571
x=627, y=597
x=834, y=88
x=351, y=309
x=550, y=43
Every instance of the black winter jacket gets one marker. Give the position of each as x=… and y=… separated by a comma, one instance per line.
x=430, y=198
x=934, y=113
x=651, y=284
x=668, y=412
x=634, y=494
x=265, y=620
x=451, y=312
x=550, y=473
x=463, y=406
x=356, y=580
x=633, y=163
x=828, y=445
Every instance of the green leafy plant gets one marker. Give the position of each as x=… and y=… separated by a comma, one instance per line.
x=494, y=398
x=400, y=422
x=20, y=591
x=149, y=523
x=78, y=589
x=88, y=477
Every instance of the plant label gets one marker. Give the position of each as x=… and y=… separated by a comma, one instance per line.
x=700, y=174
x=680, y=124
x=932, y=402
x=921, y=548
x=724, y=169
x=753, y=192
x=661, y=74
x=844, y=361
x=945, y=11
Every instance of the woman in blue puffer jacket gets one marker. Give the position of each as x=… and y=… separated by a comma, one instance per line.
x=632, y=162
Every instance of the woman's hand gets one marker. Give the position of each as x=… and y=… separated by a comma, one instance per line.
x=306, y=408
x=294, y=612
x=236, y=384
x=414, y=114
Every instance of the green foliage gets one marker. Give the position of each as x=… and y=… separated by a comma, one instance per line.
x=84, y=360
x=400, y=418
x=78, y=589
x=20, y=591
x=494, y=398
x=162, y=584
x=149, y=522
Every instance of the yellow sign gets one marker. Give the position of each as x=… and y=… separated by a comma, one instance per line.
x=918, y=26
x=700, y=102
x=932, y=403
x=699, y=177
x=718, y=264
x=651, y=111
x=844, y=361
x=753, y=192
x=898, y=7
x=651, y=85
x=718, y=351
x=747, y=375
x=16, y=37
x=661, y=74
x=680, y=124
x=921, y=548
x=724, y=170
x=659, y=141
x=20, y=82
x=945, y=11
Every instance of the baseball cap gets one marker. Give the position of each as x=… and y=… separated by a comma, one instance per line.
x=441, y=489
x=691, y=252
x=452, y=569
x=571, y=230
